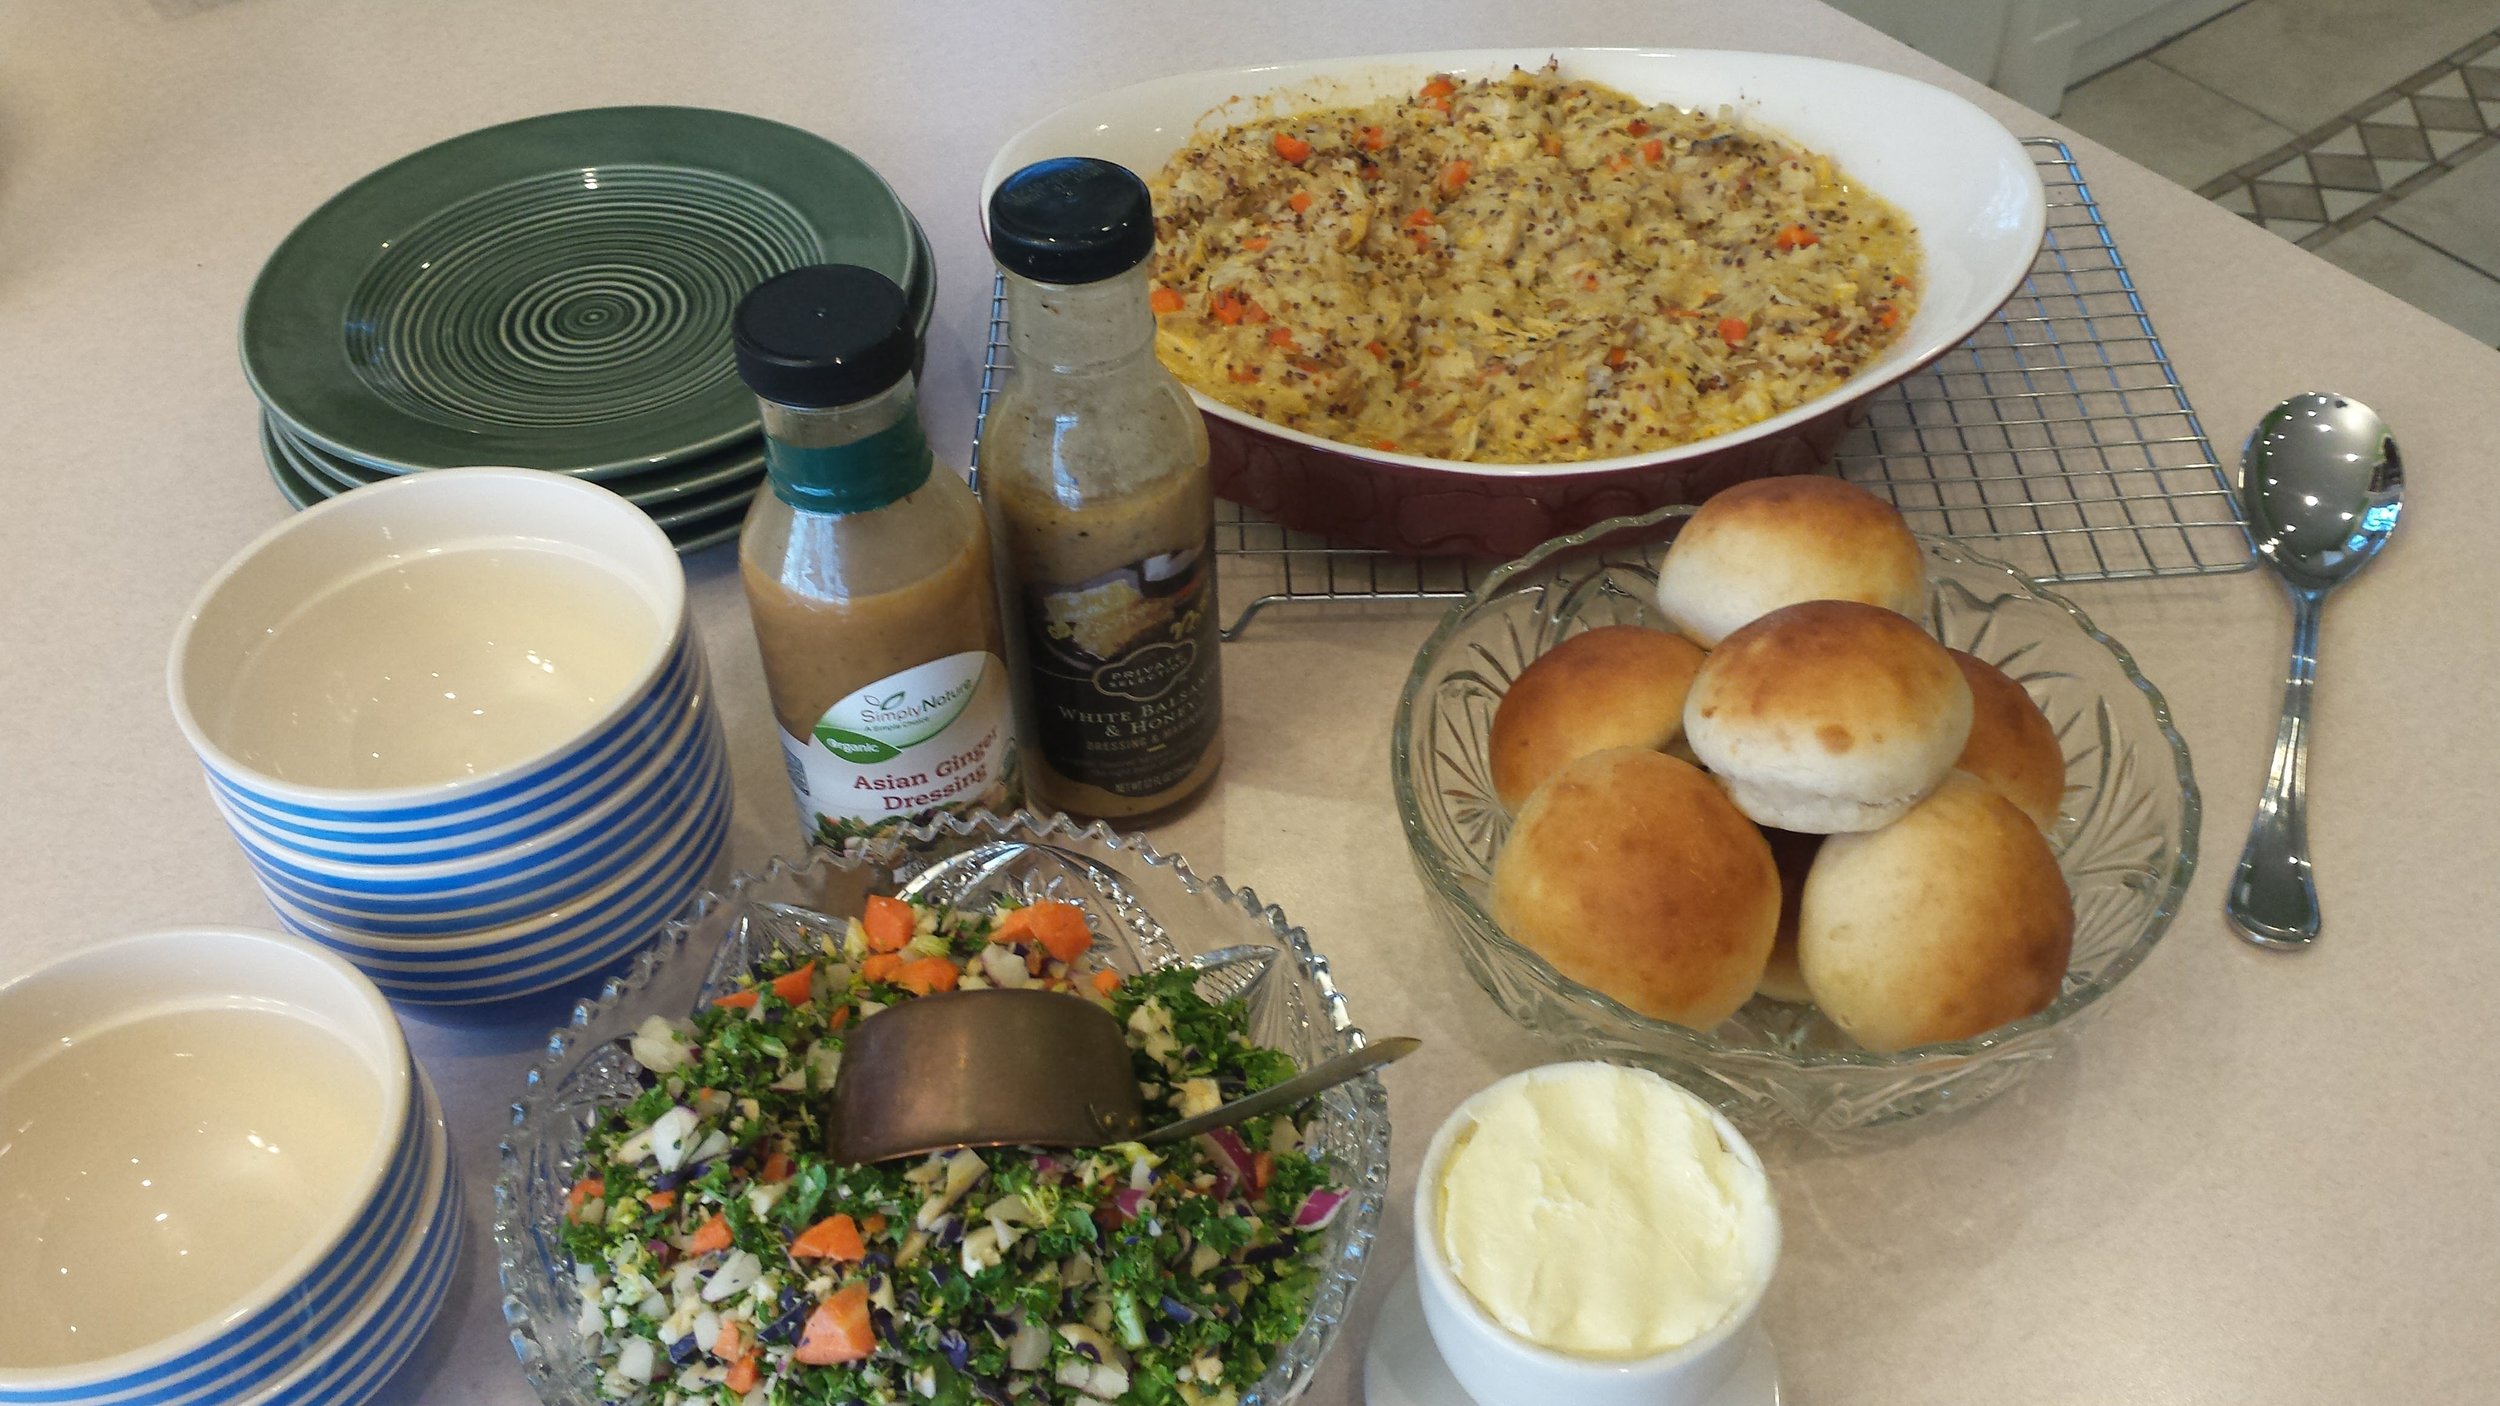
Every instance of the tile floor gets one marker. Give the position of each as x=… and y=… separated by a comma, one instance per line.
x=2366, y=130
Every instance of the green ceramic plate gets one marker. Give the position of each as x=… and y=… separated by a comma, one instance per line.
x=692, y=524
x=742, y=462
x=556, y=292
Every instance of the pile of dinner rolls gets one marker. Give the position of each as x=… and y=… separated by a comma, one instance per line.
x=1798, y=793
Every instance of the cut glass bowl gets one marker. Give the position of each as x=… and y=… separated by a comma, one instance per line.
x=1150, y=910
x=2125, y=838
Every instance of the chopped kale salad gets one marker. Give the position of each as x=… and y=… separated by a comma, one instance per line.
x=721, y=1258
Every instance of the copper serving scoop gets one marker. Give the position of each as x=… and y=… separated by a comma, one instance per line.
x=1003, y=1067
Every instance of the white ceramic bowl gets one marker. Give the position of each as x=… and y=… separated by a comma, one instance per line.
x=248, y=1147
x=520, y=878
x=261, y=591
x=1966, y=183
x=1497, y=1365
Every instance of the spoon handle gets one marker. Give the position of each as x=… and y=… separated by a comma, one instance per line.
x=2273, y=899
x=1319, y=1078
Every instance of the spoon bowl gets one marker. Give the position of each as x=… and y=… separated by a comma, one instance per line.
x=2322, y=487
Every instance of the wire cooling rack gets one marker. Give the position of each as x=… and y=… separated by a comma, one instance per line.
x=2057, y=435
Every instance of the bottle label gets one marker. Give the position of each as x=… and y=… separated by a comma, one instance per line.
x=1126, y=696
x=934, y=738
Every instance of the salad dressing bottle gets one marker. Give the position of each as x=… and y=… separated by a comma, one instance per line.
x=1094, y=475
x=868, y=577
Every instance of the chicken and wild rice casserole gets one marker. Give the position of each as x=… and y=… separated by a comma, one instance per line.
x=1519, y=269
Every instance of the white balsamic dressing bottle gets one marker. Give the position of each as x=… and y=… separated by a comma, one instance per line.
x=1094, y=474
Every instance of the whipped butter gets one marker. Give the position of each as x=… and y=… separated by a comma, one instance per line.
x=1594, y=1209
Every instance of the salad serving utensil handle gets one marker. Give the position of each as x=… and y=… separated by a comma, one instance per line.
x=1319, y=1078
x=2273, y=899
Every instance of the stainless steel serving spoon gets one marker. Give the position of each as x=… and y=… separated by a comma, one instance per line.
x=2322, y=486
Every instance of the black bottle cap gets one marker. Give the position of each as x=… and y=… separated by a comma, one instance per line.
x=1074, y=219
x=823, y=335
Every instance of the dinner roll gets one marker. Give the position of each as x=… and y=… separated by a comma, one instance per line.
x=1615, y=686
x=2011, y=746
x=1945, y=924
x=1757, y=546
x=1632, y=874
x=1793, y=854
x=1828, y=716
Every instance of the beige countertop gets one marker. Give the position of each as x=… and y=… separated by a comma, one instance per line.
x=2256, y=1178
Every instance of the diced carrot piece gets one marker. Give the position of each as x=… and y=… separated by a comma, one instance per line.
x=927, y=975
x=1292, y=148
x=1732, y=330
x=1616, y=356
x=874, y=1225
x=1900, y=280
x=794, y=987
x=1589, y=281
x=583, y=1192
x=660, y=1200
x=728, y=1343
x=712, y=1235
x=1439, y=86
x=1373, y=139
x=1280, y=337
x=836, y=1237
x=1106, y=981
x=1653, y=151
x=1377, y=348
x=1300, y=202
x=1058, y=926
x=736, y=1001
x=1454, y=175
x=776, y=1169
x=1164, y=300
x=1262, y=1168
x=839, y=1330
x=841, y=1016
x=889, y=921
x=1797, y=237
x=1552, y=143
x=744, y=1375
x=1386, y=444
x=1886, y=315
x=1620, y=161
x=881, y=966
x=1239, y=375
x=1832, y=335
x=1226, y=308
x=1419, y=219
x=1255, y=243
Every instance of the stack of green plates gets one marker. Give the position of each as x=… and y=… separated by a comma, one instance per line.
x=555, y=294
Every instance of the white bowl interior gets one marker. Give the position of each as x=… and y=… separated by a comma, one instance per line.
x=193, y=1118
x=270, y=585
x=1954, y=170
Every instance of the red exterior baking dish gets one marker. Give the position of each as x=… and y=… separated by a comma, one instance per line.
x=1964, y=181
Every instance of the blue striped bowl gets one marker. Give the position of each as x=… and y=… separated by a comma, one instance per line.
x=379, y=1254
x=492, y=887
x=566, y=947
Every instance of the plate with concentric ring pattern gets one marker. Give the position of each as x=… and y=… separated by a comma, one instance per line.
x=556, y=292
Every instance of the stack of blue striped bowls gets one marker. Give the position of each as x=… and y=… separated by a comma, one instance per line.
x=301, y=1279
x=498, y=880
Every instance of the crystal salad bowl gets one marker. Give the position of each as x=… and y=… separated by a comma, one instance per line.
x=2125, y=838
x=1149, y=909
